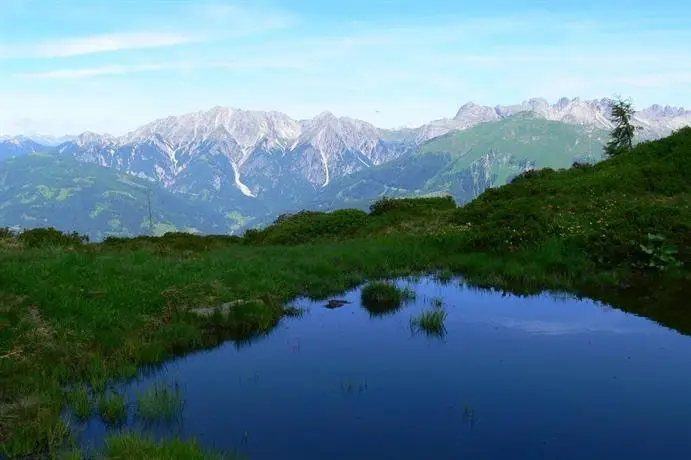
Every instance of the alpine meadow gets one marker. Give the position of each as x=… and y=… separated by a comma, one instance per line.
x=509, y=281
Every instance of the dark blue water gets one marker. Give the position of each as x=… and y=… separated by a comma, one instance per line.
x=513, y=378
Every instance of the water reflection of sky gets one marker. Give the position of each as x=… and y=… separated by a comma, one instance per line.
x=521, y=378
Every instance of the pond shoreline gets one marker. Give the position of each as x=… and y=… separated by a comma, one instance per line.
x=131, y=304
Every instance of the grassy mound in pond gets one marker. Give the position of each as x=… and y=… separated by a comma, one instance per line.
x=381, y=298
x=74, y=312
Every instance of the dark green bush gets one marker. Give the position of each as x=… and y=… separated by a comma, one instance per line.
x=532, y=174
x=307, y=226
x=173, y=240
x=42, y=237
x=386, y=205
x=6, y=233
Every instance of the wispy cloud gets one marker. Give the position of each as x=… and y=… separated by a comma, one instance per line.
x=90, y=72
x=202, y=22
x=67, y=47
x=657, y=80
x=122, y=69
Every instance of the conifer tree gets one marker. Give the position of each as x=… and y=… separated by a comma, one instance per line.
x=621, y=115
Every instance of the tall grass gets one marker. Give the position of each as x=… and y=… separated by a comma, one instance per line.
x=112, y=408
x=430, y=322
x=160, y=402
x=80, y=402
x=128, y=445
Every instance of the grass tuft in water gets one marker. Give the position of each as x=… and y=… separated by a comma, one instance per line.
x=380, y=298
x=132, y=446
x=430, y=322
x=408, y=294
x=80, y=403
x=160, y=402
x=112, y=408
x=437, y=302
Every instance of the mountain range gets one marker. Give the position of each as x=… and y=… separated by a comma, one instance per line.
x=245, y=167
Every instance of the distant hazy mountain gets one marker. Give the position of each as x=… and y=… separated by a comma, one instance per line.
x=11, y=147
x=47, y=190
x=247, y=166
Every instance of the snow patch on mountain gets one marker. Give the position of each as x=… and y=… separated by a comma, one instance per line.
x=242, y=187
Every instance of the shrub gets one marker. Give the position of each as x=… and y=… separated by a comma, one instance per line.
x=386, y=205
x=42, y=237
x=6, y=233
x=532, y=174
x=307, y=226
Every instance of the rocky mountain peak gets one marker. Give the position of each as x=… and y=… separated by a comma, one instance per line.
x=90, y=137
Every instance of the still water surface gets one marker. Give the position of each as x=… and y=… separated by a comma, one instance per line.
x=513, y=378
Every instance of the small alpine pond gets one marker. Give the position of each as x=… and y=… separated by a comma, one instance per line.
x=446, y=372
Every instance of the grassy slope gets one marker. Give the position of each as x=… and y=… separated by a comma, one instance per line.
x=39, y=190
x=465, y=163
x=98, y=311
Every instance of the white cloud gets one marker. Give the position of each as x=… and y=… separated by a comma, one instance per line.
x=657, y=80
x=90, y=72
x=67, y=47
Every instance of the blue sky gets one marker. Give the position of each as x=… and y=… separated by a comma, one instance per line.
x=110, y=65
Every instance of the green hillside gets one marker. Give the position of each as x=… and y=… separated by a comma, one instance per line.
x=632, y=210
x=464, y=164
x=631, y=213
x=40, y=190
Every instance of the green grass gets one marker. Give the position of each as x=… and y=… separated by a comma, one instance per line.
x=408, y=294
x=445, y=276
x=430, y=322
x=75, y=313
x=160, y=402
x=80, y=402
x=112, y=408
x=71, y=455
x=131, y=446
x=380, y=298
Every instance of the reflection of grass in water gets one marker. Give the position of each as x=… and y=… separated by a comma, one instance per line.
x=160, y=402
x=430, y=322
x=381, y=298
x=78, y=399
x=353, y=387
x=294, y=312
x=72, y=455
x=444, y=277
x=112, y=407
x=126, y=446
x=469, y=414
x=437, y=302
x=408, y=294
